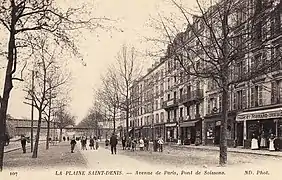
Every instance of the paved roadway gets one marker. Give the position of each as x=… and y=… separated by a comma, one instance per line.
x=128, y=166
x=103, y=159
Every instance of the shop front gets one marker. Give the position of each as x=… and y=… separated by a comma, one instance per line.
x=171, y=132
x=191, y=132
x=260, y=124
x=159, y=130
x=145, y=132
x=137, y=133
x=213, y=126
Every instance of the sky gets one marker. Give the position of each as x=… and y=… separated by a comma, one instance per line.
x=99, y=49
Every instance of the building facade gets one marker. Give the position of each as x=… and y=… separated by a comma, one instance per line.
x=186, y=109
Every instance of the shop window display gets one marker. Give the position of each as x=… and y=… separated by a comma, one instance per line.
x=210, y=132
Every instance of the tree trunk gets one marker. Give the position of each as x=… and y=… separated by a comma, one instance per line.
x=127, y=113
x=32, y=111
x=49, y=119
x=35, y=151
x=114, y=119
x=3, y=113
x=48, y=134
x=8, y=85
x=223, y=129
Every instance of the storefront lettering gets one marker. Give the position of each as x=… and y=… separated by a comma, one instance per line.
x=254, y=116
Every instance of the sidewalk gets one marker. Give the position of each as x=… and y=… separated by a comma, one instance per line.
x=57, y=156
x=235, y=150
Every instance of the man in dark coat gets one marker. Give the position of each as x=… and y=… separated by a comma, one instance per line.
x=123, y=142
x=113, y=143
x=23, y=143
x=72, y=143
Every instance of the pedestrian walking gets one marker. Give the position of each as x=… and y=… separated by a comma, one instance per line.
x=72, y=143
x=141, y=144
x=64, y=138
x=83, y=143
x=91, y=143
x=133, y=144
x=96, y=141
x=113, y=143
x=161, y=142
x=128, y=143
x=68, y=138
x=123, y=141
x=23, y=143
x=146, y=144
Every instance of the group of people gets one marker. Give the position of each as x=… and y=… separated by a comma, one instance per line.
x=263, y=142
x=132, y=143
x=93, y=143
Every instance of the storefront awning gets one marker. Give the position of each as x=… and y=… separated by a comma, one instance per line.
x=261, y=114
x=170, y=125
x=188, y=124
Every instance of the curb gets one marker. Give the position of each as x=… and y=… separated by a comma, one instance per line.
x=234, y=151
x=17, y=148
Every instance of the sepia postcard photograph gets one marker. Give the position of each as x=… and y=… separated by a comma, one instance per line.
x=140, y=89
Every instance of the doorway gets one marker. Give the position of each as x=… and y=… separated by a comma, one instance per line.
x=240, y=129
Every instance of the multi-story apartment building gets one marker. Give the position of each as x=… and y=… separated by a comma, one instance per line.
x=147, y=96
x=175, y=105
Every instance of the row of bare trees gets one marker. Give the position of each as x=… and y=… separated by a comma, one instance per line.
x=23, y=21
x=219, y=35
x=113, y=96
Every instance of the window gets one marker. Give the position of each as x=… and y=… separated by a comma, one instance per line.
x=256, y=96
x=276, y=92
x=168, y=116
x=181, y=93
x=181, y=112
x=157, y=104
x=174, y=115
x=188, y=111
x=220, y=103
x=162, y=116
x=157, y=90
x=168, y=97
x=239, y=103
x=157, y=118
x=168, y=83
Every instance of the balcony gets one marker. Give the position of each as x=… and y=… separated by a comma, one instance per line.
x=192, y=97
x=170, y=104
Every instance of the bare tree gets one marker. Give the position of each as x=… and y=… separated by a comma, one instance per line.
x=227, y=43
x=108, y=96
x=92, y=120
x=128, y=71
x=63, y=119
x=20, y=19
x=54, y=96
x=48, y=79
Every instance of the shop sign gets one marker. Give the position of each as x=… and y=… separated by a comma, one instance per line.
x=170, y=125
x=257, y=116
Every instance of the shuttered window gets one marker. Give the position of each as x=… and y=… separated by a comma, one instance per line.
x=244, y=98
x=260, y=95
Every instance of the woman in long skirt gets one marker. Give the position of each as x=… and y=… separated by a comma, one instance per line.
x=271, y=143
x=254, y=144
